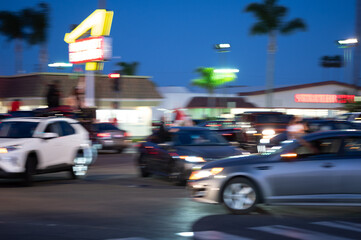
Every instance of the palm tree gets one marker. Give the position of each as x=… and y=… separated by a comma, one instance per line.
x=37, y=20
x=128, y=68
x=210, y=81
x=271, y=21
x=12, y=27
x=26, y=25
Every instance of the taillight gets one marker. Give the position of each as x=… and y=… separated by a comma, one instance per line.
x=103, y=135
x=126, y=134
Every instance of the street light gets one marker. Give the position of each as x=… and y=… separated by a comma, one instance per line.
x=60, y=64
x=347, y=45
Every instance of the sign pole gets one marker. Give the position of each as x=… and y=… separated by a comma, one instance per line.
x=89, y=89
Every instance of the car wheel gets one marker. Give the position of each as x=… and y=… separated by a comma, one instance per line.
x=120, y=150
x=143, y=166
x=80, y=168
x=177, y=174
x=30, y=170
x=240, y=196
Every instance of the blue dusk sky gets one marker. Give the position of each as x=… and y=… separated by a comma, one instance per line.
x=171, y=38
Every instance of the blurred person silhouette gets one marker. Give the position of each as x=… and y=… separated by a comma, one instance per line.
x=53, y=95
x=163, y=133
x=295, y=128
x=75, y=99
x=15, y=105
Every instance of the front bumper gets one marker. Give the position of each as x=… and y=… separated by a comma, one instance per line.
x=205, y=190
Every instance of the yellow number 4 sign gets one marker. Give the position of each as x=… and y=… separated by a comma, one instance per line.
x=99, y=22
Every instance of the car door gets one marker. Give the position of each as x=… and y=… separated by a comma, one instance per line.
x=52, y=149
x=70, y=141
x=350, y=167
x=314, y=172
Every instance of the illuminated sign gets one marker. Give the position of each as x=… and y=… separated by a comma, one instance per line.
x=90, y=50
x=99, y=22
x=114, y=75
x=324, y=98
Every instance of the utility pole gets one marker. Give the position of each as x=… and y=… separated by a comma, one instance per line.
x=357, y=54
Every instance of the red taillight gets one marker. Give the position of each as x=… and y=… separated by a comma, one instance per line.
x=126, y=134
x=103, y=135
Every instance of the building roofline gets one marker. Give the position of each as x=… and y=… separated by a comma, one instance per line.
x=65, y=74
x=299, y=86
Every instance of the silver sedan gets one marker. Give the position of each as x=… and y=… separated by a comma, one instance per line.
x=321, y=169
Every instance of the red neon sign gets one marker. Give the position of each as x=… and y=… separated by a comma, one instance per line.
x=113, y=75
x=89, y=50
x=324, y=98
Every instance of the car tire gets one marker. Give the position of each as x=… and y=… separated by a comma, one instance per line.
x=177, y=174
x=240, y=196
x=143, y=167
x=120, y=150
x=30, y=170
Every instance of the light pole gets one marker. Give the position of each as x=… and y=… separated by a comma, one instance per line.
x=347, y=45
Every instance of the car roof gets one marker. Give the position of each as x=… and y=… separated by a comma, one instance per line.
x=190, y=128
x=38, y=119
x=332, y=133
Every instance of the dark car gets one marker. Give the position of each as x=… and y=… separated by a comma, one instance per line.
x=261, y=125
x=315, y=125
x=109, y=137
x=229, y=129
x=185, y=147
x=322, y=169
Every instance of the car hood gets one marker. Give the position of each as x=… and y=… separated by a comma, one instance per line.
x=12, y=141
x=209, y=153
x=237, y=160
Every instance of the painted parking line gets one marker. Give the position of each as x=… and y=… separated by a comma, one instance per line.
x=132, y=238
x=297, y=233
x=341, y=225
x=215, y=235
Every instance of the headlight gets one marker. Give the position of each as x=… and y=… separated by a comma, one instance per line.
x=9, y=148
x=192, y=159
x=268, y=132
x=205, y=173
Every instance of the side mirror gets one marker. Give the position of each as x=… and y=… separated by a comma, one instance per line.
x=49, y=135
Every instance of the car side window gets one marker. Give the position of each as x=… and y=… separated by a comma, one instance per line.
x=352, y=146
x=66, y=128
x=54, y=128
x=324, y=146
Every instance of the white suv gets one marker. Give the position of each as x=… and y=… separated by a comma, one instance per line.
x=31, y=146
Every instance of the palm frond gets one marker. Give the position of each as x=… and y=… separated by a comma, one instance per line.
x=294, y=25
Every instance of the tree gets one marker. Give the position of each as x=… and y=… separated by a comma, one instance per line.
x=38, y=22
x=28, y=25
x=128, y=68
x=12, y=26
x=210, y=80
x=270, y=22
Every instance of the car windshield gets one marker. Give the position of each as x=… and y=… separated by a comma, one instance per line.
x=272, y=118
x=17, y=129
x=105, y=127
x=197, y=138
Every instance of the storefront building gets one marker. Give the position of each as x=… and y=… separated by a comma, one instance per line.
x=129, y=99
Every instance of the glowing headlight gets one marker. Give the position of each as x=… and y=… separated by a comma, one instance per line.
x=192, y=159
x=205, y=173
x=268, y=132
x=9, y=148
